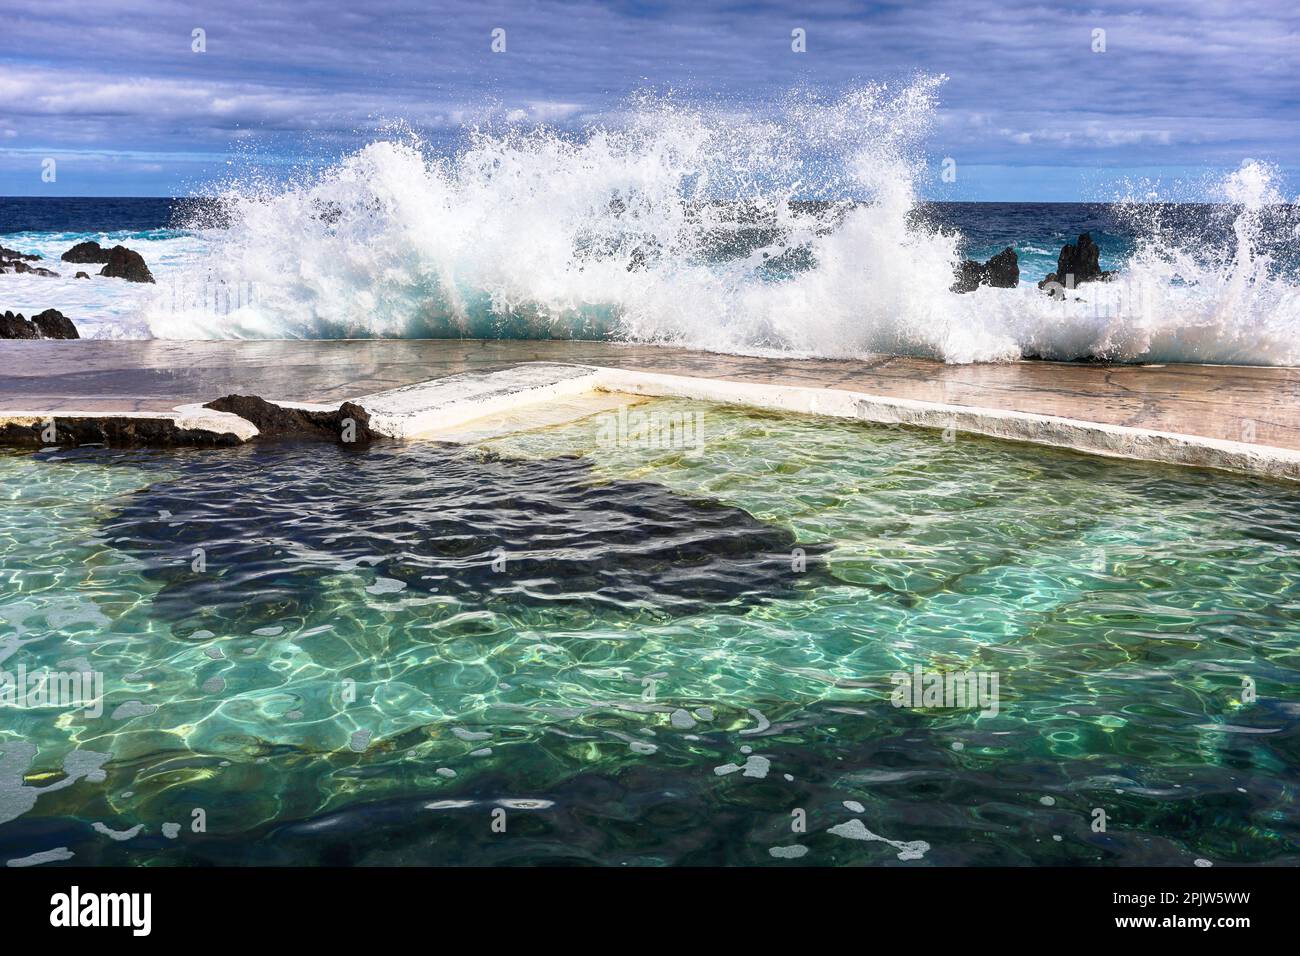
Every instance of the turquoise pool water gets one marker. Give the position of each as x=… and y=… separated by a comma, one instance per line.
x=558, y=647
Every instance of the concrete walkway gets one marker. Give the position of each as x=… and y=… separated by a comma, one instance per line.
x=1257, y=407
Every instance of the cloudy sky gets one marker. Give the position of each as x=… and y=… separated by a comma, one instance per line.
x=114, y=92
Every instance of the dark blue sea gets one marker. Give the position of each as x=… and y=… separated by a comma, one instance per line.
x=988, y=227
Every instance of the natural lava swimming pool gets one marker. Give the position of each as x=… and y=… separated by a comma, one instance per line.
x=630, y=655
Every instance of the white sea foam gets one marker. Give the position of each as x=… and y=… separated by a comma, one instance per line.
x=614, y=233
x=100, y=307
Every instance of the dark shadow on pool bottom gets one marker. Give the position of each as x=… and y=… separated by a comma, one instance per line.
x=270, y=522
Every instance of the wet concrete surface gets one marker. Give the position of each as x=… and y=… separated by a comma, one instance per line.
x=1254, y=405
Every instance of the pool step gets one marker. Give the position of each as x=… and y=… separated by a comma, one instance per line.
x=427, y=409
x=559, y=411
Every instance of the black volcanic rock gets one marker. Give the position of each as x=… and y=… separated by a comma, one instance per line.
x=16, y=327
x=969, y=275
x=274, y=421
x=19, y=266
x=81, y=275
x=50, y=324
x=113, y=432
x=1077, y=263
x=119, y=262
x=85, y=252
x=123, y=263
x=1002, y=271
x=53, y=324
x=17, y=262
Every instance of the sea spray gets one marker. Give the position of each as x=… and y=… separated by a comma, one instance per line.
x=789, y=230
x=1223, y=299
x=681, y=225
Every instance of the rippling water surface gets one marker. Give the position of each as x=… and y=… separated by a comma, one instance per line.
x=650, y=656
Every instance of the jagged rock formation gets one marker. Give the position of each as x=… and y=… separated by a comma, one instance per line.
x=1078, y=262
x=273, y=421
x=1002, y=272
x=50, y=324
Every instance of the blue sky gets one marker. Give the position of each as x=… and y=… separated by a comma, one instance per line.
x=114, y=93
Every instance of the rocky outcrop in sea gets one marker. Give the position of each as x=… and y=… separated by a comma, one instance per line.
x=119, y=262
x=50, y=324
x=1001, y=272
x=1078, y=262
x=17, y=262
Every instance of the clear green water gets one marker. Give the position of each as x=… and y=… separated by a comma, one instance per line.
x=644, y=590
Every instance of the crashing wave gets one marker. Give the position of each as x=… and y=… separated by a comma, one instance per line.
x=792, y=232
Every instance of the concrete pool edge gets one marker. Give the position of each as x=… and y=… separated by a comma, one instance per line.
x=423, y=410
x=1094, y=438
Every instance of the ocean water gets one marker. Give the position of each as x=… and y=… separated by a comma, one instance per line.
x=638, y=652
x=800, y=232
